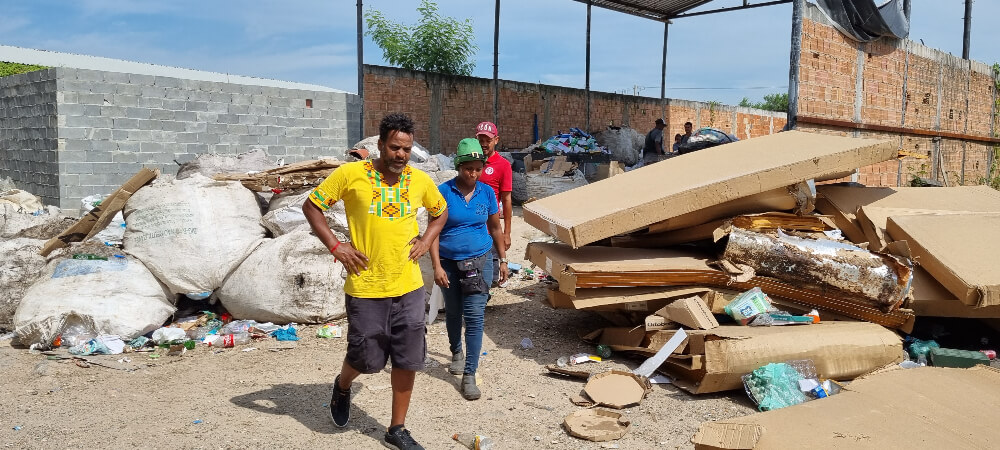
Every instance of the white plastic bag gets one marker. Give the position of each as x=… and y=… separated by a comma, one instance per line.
x=121, y=298
x=192, y=233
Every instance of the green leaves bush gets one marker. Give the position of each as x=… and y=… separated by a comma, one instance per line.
x=434, y=44
x=10, y=68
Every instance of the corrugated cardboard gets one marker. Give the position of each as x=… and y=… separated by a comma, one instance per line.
x=656, y=322
x=781, y=199
x=617, y=389
x=599, y=267
x=843, y=202
x=709, y=177
x=633, y=299
x=958, y=250
x=925, y=408
x=692, y=312
x=932, y=299
x=840, y=350
x=596, y=425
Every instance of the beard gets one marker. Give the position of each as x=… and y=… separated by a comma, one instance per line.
x=397, y=167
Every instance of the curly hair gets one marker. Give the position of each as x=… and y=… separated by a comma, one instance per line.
x=394, y=122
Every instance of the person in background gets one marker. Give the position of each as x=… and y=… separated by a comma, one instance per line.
x=677, y=143
x=688, y=126
x=497, y=174
x=652, y=149
x=463, y=260
x=384, y=292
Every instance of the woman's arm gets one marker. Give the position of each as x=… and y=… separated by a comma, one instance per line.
x=496, y=231
x=440, y=276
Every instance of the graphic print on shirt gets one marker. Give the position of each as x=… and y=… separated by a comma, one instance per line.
x=389, y=202
x=488, y=170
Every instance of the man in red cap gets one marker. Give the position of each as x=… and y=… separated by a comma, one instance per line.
x=498, y=174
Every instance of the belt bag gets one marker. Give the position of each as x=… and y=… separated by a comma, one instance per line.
x=471, y=274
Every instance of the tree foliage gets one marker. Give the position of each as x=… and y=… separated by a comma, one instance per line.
x=772, y=102
x=434, y=44
x=10, y=68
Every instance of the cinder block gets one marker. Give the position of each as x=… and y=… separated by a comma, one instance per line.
x=228, y=118
x=186, y=116
x=88, y=98
x=146, y=80
x=150, y=147
x=220, y=97
x=149, y=124
x=197, y=148
x=141, y=136
x=112, y=111
x=128, y=146
x=175, y=94
x=125, y=157
x=174, y=104
x=103, y=146
x=137, y=113
x=125, y=124
x=168, y=82
x=71, y=156
x=196, y=106
x=246, y=119
x=89, y=75
x=220, y=108
x=258, y=110
x=199, y=96
x=125, y=100
x=238, y=109
x=208, y=138
x=247, y=139
x=150, y=102
x=186, y=138
x=161, y=114
x=195, y=127
x=269, y=140
x=99, y=156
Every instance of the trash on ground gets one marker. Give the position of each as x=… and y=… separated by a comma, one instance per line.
x=330, y=331
x=596, y=425
x=617, y=389
x=474, y=441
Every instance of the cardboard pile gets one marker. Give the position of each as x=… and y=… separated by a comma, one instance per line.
x=668, y=246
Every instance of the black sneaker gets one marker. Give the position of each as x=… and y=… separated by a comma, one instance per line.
x=340, y=404
x=457, y=366
x=398, y=437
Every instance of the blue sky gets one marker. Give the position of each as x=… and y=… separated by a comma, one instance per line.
x=313, y=41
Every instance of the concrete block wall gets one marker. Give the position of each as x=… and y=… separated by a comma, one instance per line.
x=111, y=124
x=898, y=83
x=447, y=109
x=28, y=133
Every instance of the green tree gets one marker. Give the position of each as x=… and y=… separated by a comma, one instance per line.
x=772, y=102
x=434, y=44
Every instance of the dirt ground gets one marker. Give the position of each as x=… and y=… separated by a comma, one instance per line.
x=278, y=394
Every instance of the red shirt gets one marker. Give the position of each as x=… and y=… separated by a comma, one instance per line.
x=498, y=175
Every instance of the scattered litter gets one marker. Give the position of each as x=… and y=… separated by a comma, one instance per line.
x=616, y=389
x=659, y=379
x=248, y=349
x=286, y=333
x=647, y=367
x=526, y=344
x=474, y=441
x=330, y=331
x=778, y=385
x=596, y=425
x=17, y=428
x=197, y=421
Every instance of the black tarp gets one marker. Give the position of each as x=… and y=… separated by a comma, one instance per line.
x=863, y=21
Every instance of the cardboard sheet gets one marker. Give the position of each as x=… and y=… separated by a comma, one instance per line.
x=926, y=407
x=932, y=299
x=692, y=312
x=958, y=250
x=600, y=267
x=843, y=202
x=781, y=199
x=840, y=350
x=647, y=299
x=696, y=181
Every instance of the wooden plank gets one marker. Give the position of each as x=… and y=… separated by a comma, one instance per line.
x=99, y=217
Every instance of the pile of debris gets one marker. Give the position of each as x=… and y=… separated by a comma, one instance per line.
x=721, y=246
x=238, y=239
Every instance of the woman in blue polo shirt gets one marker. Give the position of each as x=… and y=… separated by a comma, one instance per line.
x=463, y=264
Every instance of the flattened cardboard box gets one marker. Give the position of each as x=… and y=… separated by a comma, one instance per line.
x=933, y=300
x=840, y=350
x=926, y=408
x=632, y=298
x=958, y=250
x=691, y=182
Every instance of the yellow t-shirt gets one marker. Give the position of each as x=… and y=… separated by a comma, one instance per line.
x=382, y=221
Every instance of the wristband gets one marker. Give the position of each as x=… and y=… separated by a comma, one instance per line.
x=334, y=248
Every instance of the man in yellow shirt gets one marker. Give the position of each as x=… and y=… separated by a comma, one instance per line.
x=384, y=292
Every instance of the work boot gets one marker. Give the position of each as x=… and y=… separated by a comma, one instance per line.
x=340, y=404
x=457, y=366
x=469, y=389
x=398, y=437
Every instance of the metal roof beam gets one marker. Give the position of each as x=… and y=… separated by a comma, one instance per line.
x=628, y=8
x=733, y=8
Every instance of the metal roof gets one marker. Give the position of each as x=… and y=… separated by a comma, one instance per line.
x=663, y=10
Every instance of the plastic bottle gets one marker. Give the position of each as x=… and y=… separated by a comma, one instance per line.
x=474, y=441
x=603, y=351
x=230, y=340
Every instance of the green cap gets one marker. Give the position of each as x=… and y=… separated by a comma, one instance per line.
x=468, y=150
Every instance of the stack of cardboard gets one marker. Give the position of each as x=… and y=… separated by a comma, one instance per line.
x=627, y=253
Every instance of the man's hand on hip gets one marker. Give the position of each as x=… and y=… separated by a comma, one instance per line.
x=354, y=261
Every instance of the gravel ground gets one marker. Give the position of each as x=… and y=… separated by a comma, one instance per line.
x=277, y=395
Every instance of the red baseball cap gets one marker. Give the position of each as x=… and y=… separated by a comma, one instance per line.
x=487, y=128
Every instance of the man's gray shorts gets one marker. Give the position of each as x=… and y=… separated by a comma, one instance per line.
x=383, y=328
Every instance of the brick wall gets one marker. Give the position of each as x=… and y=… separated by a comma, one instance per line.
x=898, y=83
x=447, y=109
x=28, y=144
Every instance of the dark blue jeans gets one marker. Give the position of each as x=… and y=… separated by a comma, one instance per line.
x=470, y=308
